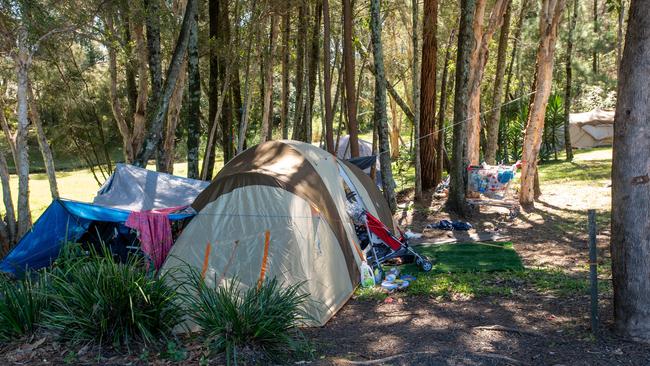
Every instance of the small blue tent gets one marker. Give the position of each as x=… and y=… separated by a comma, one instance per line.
x=128, y=189
x=63, y=221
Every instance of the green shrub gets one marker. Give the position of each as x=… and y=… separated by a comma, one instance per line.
x=263, y=320
x=21, y=305
x=96, y=299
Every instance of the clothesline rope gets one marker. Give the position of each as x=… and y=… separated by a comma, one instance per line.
x=468, y=119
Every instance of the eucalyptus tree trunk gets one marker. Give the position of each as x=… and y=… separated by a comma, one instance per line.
x=415, y=69
x=46, y=151
x=301, y=41
x=381, y=120
x=478, y=60
x=22, y=61
x=166, y=154
x=458, y=172
x=152, y=25
x=327, y=80
x=10, y=214
x=549, y=19
x=428, y=135
x=350, y=93
x=497, y=95
x=154, y=137
x=243, y=120
x=619, y=33
x=9, y=135
x=312, y=67
x=284, y=108
x=267, y=115
x=440, y=149
x=395, y=127
x=567, y=89
x=630, y=242
x=194, y=96
x=595, y=62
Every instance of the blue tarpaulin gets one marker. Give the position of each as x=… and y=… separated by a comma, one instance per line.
x=63, y=221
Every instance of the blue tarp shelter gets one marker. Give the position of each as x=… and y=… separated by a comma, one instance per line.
x=63, y=221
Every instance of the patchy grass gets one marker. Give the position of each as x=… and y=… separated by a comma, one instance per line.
x=467, y=285
x=590, y=166
x=465, y=271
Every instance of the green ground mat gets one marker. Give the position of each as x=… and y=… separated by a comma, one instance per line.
x=471, y=257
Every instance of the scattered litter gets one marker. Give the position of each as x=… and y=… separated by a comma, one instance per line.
x=408, y=278
x=411, y=235
x=393, y=281
x=450, y=225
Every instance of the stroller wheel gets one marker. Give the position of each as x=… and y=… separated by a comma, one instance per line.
x=426, y=265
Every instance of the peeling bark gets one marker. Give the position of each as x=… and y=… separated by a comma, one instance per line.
x=550, y=15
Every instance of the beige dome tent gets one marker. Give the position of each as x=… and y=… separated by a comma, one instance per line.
x=591, y=129
x=279, y=210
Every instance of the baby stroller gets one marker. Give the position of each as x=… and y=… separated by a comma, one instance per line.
x=381, y=245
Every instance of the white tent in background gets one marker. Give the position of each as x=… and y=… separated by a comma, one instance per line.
x=343, y=152
x=365, y=149
x=591, y=129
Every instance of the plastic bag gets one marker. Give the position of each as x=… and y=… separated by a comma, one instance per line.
x=367, y=277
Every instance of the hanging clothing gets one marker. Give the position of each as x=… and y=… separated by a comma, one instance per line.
x=155, y=232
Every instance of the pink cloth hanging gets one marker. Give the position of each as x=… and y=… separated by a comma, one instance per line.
x=155, y=232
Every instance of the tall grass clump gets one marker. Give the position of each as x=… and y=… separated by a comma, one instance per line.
x=21, y=305
x=263, y=320
x=96, y=299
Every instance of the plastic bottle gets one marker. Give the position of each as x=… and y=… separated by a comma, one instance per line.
x=367, y=277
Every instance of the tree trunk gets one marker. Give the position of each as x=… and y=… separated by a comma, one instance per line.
x=567, y=89
x=596, y=35
x=248, y=92
x=478, y=60
x=173, y=118
x=619, y=34
x=415, y=69
x=312, y=70
x=327, y=80
x=428, y=135
x=194, y=96
x=140, y=117
x=458, y=174
x=11, y=137
x=154, y=137
x=350, y=93
x=440, y=149
x=152, y=24
x=549, y=18
x=22, y=64
x=46, y=151
x=515, y=48
x=267, y=115
x=116, y=104
x=10, y=214
x=396, y=126
x=497, y=96
x=301, y=41
x=381, y=120
x=284, y=113
x=630, y=242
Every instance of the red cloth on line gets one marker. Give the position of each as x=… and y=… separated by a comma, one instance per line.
x=155, y=232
